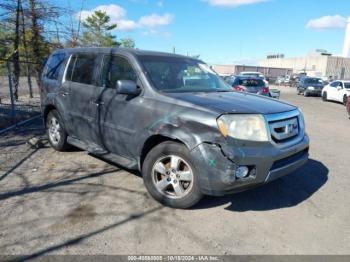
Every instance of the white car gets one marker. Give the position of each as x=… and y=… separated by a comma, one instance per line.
x=337, y=91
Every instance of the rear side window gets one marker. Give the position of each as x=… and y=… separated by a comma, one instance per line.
x=54, y=66
x=116, y=68
x=81, y=69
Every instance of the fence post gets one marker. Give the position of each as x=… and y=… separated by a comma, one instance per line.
x=13, y=109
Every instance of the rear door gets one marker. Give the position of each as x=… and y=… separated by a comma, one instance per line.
x=81, y=91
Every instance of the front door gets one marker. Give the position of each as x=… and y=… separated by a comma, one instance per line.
x=340, y=92
x=331, y=92
x=116, y=126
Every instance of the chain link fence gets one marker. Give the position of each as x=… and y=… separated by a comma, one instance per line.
x=14, y=111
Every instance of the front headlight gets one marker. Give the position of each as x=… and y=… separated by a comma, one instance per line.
x=243, y=127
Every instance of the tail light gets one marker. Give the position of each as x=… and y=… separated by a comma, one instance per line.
x=266, y=90
x=238, y=88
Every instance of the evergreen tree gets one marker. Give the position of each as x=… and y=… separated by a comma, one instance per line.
x=97, y=29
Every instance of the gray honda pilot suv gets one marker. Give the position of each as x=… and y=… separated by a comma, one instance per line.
x=172, y=118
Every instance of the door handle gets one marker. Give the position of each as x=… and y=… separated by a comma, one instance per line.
x=62, y=93
x=97, y=103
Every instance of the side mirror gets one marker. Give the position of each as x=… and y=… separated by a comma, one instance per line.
x=127, y=87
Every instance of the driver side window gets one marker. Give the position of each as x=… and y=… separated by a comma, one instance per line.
x=115, y=68
x=335, y=84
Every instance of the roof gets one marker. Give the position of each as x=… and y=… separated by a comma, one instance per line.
x=135, y=52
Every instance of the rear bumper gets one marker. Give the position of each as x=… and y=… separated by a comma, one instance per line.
x=217, y=165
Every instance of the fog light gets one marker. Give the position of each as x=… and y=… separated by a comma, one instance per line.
x=242, y=172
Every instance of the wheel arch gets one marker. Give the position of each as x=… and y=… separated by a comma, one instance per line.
x=152, y=142
x=47, y=110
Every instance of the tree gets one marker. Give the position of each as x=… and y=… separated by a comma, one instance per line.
x=38, y=44
x=25, y=36
x=15, y=56
x=97, y=30
x=26, y=52
x=127, y=43
x=11, y=23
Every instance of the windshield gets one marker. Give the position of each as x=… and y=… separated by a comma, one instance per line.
x=313, y=81
x=175, y=75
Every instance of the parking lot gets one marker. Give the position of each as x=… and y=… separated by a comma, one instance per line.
x=74, y=203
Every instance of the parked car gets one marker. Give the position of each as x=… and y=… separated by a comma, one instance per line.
x=337, y=91
x=257, y=75
x=172, y=118
x=310, y=86
x=254, y=85
x=275, y=93
x=287, y=79
x=280, y=80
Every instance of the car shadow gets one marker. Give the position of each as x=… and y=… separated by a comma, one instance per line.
x=335, y=102
x=131, y=171
x=286, y=192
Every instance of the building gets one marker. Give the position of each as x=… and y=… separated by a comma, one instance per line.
x=270, y=72
x=319, y=63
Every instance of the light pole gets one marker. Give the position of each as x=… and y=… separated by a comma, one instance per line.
x=346, y=49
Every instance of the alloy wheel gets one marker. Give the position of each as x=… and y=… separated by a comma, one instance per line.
x=54, y=130
x=172, y=176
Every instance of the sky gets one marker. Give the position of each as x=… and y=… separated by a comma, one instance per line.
x=227, y=31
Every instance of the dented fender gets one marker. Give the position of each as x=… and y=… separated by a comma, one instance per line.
x=215, y=169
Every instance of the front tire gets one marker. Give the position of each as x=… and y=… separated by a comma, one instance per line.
x=345, y=100
x=56, y=132
x=324, y=97
x=306, y=94
x=171, y=177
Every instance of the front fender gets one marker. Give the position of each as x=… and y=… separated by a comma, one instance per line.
x=189, y=131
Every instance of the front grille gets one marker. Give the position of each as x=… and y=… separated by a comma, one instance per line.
x=284, y=130
x=285, y=127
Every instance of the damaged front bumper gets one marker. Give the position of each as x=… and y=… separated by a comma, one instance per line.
x=217, y=164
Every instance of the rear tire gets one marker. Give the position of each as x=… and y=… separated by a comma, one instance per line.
x=306, y=94
x=171, y=177
x=56, y=132
x=324, y=97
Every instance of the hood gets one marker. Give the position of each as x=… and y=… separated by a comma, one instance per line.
x=234, y=102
